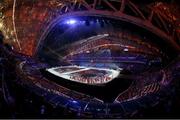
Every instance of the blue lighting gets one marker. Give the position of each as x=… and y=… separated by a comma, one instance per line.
x=71, y=22
x=74, y=101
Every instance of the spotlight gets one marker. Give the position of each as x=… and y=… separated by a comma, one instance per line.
x=126, y=50
x=74, y=101
x=71, y=22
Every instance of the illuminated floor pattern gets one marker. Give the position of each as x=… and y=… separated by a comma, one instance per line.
x=86, y=75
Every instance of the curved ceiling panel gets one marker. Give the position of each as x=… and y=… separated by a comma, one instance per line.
x=24, y=22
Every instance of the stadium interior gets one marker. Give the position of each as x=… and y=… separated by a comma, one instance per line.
x=89, y=59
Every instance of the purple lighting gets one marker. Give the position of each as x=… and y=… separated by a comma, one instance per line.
x=126, y=50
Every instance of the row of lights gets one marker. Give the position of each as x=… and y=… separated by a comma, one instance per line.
x=73, y=22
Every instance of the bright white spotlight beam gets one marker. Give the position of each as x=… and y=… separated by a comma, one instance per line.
x=71, y=22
